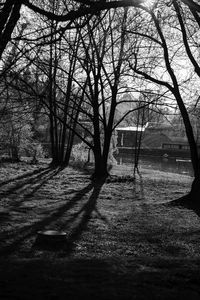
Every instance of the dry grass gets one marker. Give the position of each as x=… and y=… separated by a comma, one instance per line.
x=123, y=241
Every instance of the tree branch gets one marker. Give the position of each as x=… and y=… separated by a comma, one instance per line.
x=94, y=8
x=185, y=41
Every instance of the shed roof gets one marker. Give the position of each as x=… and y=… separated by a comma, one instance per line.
x=131, y=128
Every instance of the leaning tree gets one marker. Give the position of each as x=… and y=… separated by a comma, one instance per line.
x=160, y=58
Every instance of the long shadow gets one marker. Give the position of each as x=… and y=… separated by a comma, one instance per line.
x=42, y=224
x=42, y=180
x=29, y=180
x=80, y=218
x=30, y=230
x=86, y=211
x=19, y=177
x=28, y=187
x=82, y=210
x=39, y=182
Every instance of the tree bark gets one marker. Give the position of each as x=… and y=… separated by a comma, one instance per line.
x=100, y=171
x=195, y=190
x=9, y=17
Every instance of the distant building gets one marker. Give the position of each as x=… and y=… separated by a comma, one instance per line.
x=156, y=139
x=126, y=136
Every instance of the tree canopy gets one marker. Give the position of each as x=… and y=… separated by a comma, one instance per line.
x=154, y=40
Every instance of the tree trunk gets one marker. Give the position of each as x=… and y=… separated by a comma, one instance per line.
x=194, y=193
x=100, y=167
x=195, y=188
x=9, y=17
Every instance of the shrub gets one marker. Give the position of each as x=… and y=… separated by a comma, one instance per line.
x=79, y=155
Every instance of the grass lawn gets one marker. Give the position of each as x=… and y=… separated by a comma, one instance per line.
x=123, y=239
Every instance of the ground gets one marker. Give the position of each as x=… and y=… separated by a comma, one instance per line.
x=124, y=239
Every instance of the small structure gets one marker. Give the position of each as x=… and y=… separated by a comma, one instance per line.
x=126, y=136
x=152, y=140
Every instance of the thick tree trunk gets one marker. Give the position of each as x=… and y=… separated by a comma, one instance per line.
x=100, y=167
x=194, y=194
x=195, y=188
x=9, y=16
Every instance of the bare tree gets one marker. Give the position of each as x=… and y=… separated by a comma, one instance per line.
x=167, y=52
x=102, y=59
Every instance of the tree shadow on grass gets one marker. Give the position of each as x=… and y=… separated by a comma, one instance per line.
x=187, y=203
x=79, y=220
x=27, y=181
x=22, y=187
x=78, y=223
x=84, y=215
x=23, y=176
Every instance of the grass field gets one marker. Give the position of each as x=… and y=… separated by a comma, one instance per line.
x=124, y=240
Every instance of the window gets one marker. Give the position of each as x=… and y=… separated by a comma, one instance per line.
x=171, y=146
x=185, y=147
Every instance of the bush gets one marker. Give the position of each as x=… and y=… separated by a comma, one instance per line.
x=37, y=152
x=29, y=146
x=80, y=155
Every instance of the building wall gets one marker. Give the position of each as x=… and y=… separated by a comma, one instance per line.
x=126, y=138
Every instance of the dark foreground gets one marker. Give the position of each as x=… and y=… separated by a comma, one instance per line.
x=108, y=278
x=123, y=239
